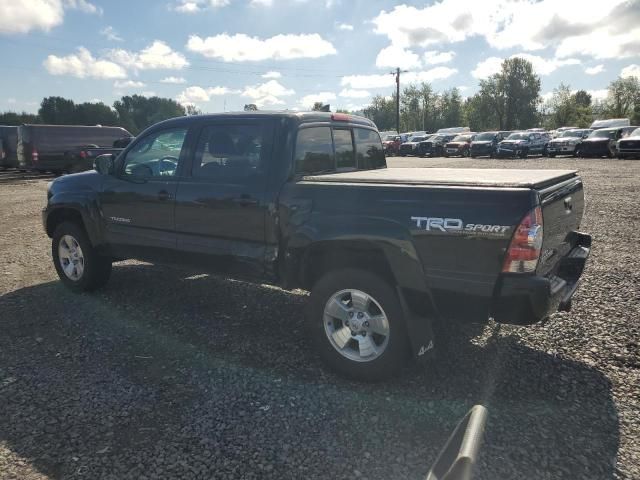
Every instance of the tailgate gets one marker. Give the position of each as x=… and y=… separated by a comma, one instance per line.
x=562, y=210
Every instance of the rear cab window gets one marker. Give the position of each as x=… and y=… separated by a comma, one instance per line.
x=323, y=149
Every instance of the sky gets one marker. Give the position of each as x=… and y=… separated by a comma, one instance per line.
x=287, y=54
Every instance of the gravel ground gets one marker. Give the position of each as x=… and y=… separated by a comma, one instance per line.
x=169, y=374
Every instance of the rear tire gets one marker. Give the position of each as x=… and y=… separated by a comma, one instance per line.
x=524, y=153
x=349, y=354
x=77, y=262
x=551, y=155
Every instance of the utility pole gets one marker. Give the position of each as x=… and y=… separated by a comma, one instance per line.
x=397, y=74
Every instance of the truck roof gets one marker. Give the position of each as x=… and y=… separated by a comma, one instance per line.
x=299, y=117
x=465, y=177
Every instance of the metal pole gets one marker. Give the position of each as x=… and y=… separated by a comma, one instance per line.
x=398, y=100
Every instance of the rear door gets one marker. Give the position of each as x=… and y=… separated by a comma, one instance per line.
x=221, y=203
x=138, y=202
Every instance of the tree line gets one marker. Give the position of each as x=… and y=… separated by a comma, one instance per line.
x=135, y=112
x=507, y=100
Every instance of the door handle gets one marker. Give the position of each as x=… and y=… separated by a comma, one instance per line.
x=164, y=195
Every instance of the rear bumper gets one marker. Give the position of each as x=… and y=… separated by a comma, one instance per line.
x=523, y=300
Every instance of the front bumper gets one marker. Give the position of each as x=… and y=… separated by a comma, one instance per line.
x=527, y=299
x=482, y=150
x=561, y=149
x=588, y=149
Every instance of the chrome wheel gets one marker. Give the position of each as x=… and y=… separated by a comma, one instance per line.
x=71, y=257
x=356, y=325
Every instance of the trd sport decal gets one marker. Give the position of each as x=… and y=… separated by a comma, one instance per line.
x=457, y=226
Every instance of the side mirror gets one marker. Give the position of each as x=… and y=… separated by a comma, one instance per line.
x=459, y=456
x=104, y=164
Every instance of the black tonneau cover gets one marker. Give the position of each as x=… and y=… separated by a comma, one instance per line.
x=464, y=177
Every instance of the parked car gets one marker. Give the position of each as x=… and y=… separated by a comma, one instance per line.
x=486, y=144
x=610, y=123
x=410, y=147
x=47, y=147
x=568, y=143
x=602, y=142
x=459, y=146
x=434, y=145
x=84, y=156
x=391, y=144
x=8, y=144
x=304, y=200
x=522, y=144
x=629, y=147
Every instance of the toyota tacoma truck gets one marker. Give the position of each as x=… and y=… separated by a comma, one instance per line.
x=305, y=200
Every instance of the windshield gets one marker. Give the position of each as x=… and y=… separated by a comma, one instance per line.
x=603, y=134
x=635, y=133
x=462, y=138
x=486, y=136
x=518, y=136
x=572, y=133
x=417, y=139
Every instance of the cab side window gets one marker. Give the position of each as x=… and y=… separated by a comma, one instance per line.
x=314, y=150
x=369, y=151
x=229, y=151
x=156, y=155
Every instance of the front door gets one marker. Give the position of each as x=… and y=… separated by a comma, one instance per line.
x=138, y=203
x=221, y=204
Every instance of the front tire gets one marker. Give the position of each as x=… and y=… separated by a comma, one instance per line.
x=356, y=324
x=77, y=262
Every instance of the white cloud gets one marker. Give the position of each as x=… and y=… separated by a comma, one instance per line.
x=433, y=57
x=594, y=70
x=149, y=93
x=110, y=33
x=22, y=16
x=267, y=93
x=324, y=97
x=128, y=84
x=345, y=27
x=261, y=3
x=386, y=80
x=193, y=6
x=393, y=56
x=632, y=70
x=542, y=66
x=241, y=47
x=272, y=74
x=83, y=6
x=158, y=55
x=350, y=93
x=83, y=65
x=195, y=94
x=175, y=80
x=569, y=26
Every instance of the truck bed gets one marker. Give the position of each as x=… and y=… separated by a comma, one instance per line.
x=464, y=177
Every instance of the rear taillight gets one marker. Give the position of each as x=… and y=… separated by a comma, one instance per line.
x=83, y=154
x=34, y=155
x=524, y=249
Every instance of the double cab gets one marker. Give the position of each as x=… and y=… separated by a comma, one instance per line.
x=306, y=200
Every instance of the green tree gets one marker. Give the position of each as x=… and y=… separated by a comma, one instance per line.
x=623, y=99
x=57, y=111
x=382, y=112
x=95, y=114
x=479, y=113
x=521, y=89
x=14, y=118
x=250, y=107
x=136, y=112
x=191, y=110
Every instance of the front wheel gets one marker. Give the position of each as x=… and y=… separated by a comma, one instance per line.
x=357, y=325
x=77, y=262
